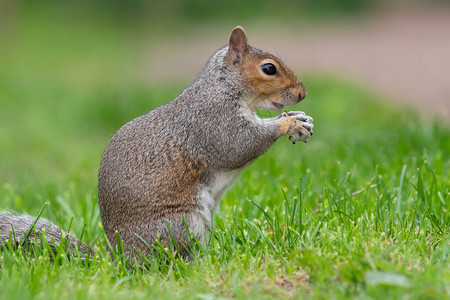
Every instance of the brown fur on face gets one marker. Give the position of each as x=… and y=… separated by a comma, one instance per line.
x=269, y=91
x=283, y=87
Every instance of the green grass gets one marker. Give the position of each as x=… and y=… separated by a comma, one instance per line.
x=361, y=211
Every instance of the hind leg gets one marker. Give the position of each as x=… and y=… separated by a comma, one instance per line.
x=171, y=232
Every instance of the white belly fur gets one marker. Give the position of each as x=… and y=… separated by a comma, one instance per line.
x=209, y=197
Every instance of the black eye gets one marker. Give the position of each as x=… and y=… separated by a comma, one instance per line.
x=269, y=69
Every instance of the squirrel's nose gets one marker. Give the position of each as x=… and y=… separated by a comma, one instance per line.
x=302, y=94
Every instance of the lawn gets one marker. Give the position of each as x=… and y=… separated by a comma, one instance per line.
x=360, y=211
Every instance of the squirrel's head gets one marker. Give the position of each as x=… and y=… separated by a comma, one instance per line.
x=273, y=84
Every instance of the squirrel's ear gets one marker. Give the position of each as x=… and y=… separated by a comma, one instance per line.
x=237, y=46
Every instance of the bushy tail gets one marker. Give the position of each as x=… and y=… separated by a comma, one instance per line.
x=24, y=230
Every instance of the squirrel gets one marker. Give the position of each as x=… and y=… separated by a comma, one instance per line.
x=170, y=167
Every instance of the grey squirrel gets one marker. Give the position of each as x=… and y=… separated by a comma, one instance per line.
x=173, y=165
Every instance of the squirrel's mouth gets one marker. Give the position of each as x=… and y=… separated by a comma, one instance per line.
x=269, y=105
x=277, y=106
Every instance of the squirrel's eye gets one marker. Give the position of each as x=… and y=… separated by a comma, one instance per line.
x=269, y=69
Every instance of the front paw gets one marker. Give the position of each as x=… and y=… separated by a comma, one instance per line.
x=299, y=115
x=303, y=134
x=298, y=126
x=301, y=131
